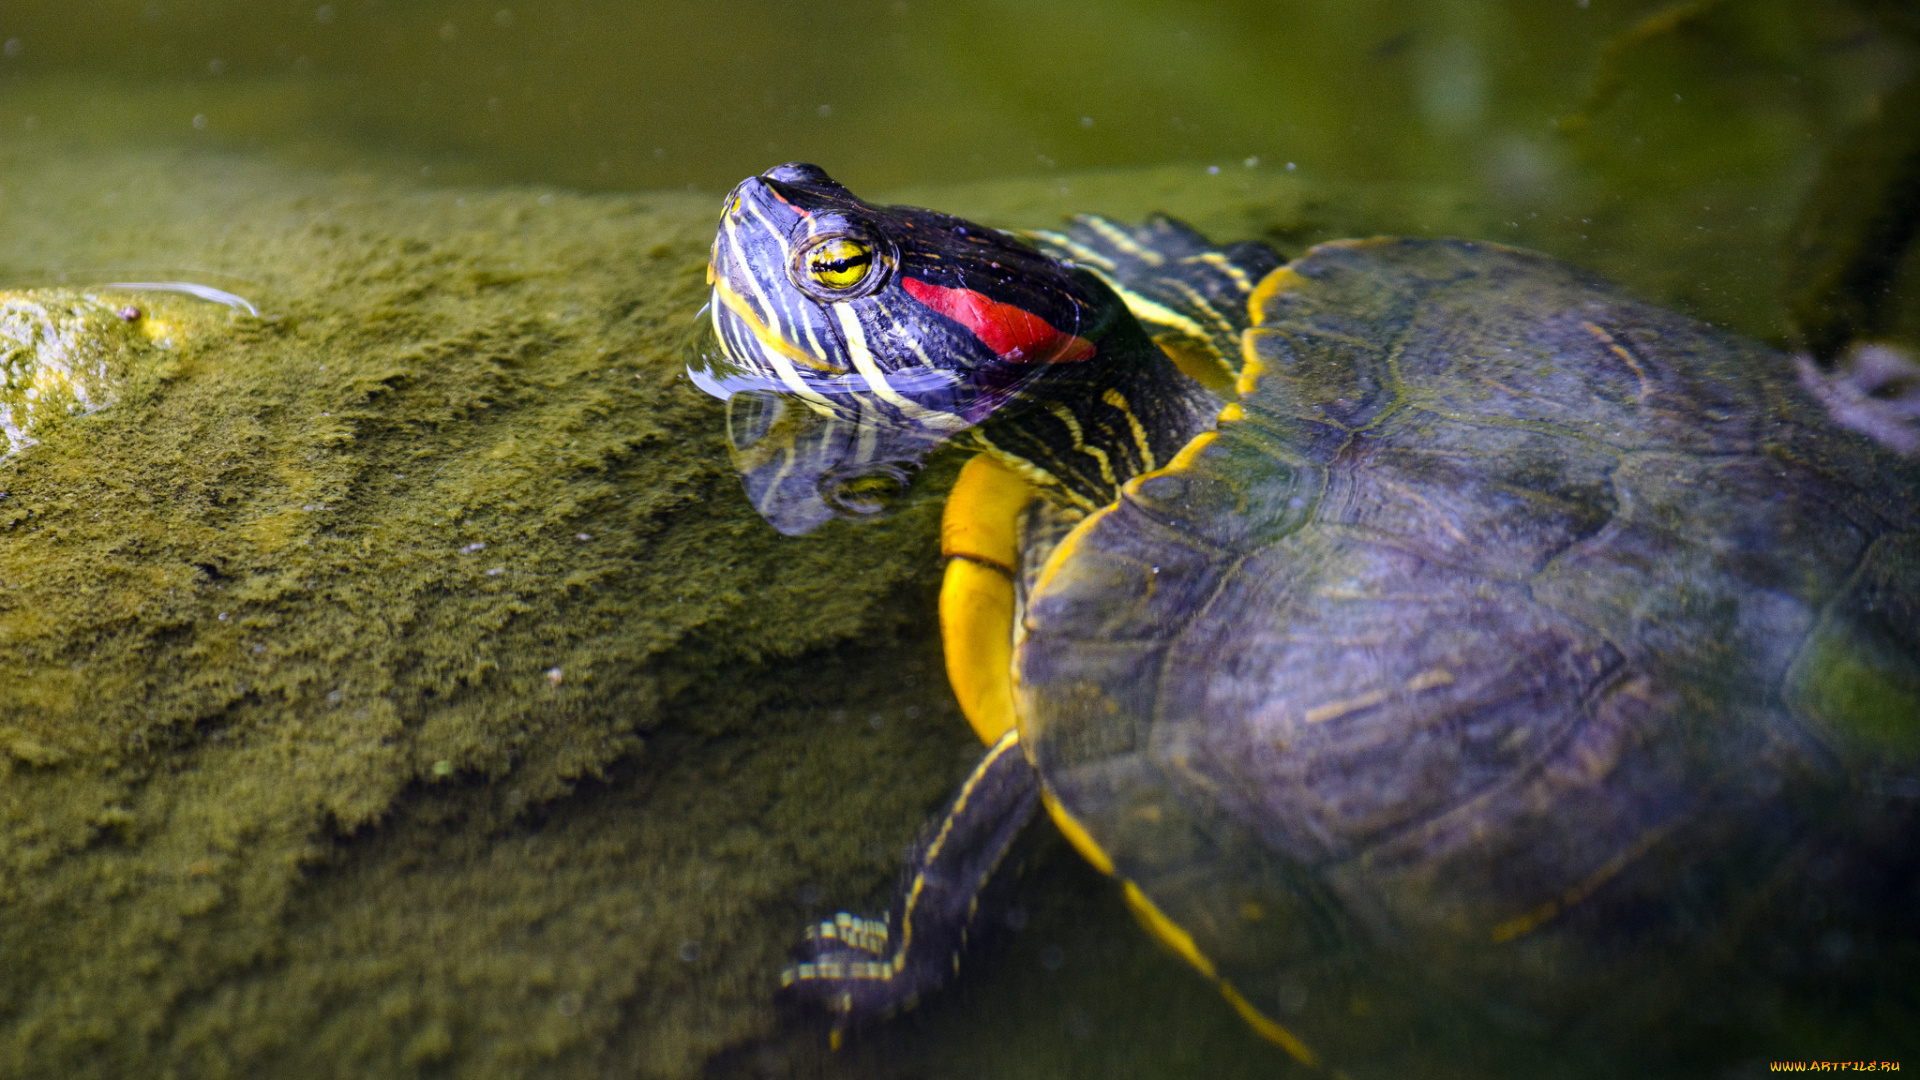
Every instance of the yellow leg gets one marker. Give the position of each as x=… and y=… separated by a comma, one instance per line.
x=979, y=537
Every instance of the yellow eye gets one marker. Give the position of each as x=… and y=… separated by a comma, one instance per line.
x=839, y=263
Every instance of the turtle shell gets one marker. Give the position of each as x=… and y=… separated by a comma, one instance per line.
x=1499, y=652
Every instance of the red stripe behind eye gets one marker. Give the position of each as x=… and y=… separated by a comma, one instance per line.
x=1014, y=334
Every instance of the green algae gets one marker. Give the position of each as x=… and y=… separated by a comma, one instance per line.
x=300, y=638
x=64, y=353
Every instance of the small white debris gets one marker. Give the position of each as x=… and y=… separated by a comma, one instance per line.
x=478, y=545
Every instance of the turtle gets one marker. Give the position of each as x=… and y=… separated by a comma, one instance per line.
x=1461, y=663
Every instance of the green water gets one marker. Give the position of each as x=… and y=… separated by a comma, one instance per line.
x=296, y=784
x=1673, y=146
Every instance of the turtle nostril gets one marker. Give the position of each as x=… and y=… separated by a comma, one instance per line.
x=798, y=172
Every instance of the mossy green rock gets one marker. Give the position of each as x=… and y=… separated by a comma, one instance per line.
x=65, y=353
x=306, y=639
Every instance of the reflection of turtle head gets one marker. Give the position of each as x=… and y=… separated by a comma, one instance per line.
x=856, y=338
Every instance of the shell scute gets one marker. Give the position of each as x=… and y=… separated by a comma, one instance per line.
x=1340, y=691
x=1322, y=375
x=1122, y=575
x=1173, y=848
x=1714, y=570
x=1490, y=334
x=1494, y=500
x=1858, y=675
x=1241, y=489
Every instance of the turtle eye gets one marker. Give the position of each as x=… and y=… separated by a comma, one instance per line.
x=839, y=263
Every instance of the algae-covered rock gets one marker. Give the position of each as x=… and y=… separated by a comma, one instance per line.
x=310, y=639
x=65, y=353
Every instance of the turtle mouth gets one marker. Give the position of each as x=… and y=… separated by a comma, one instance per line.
x=717, y=371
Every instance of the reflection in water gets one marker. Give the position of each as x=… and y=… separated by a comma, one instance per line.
x=804, y=465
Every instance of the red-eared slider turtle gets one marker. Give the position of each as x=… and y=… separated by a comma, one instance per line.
x=1457, y=660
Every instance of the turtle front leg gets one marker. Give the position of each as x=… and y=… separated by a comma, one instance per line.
x=863, y=969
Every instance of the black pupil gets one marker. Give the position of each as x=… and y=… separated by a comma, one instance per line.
x=841, y=262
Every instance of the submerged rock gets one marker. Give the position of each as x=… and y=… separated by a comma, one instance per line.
x=288, y=780
x=65, y=353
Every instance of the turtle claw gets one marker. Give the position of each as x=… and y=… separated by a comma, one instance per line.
x=1874, y=389
x=859, y=968
x=844, y=966
x=851, y=932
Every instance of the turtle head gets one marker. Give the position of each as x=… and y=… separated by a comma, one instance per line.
x=830, y=295
x=851, y=339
